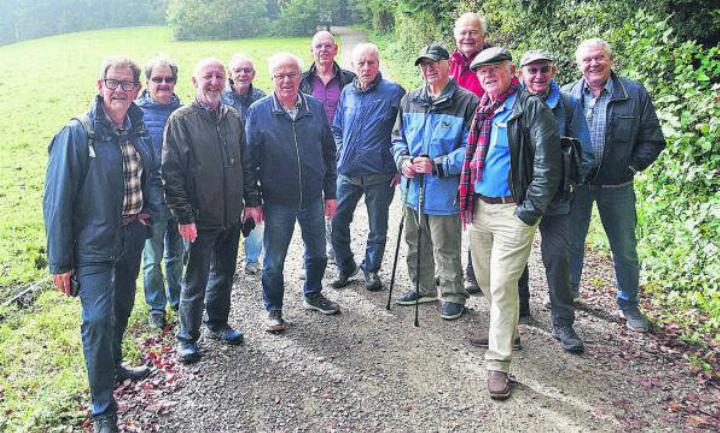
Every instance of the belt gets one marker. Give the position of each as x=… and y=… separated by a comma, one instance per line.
x=495, y=200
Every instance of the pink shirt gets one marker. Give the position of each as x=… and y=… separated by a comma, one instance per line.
x=460, y=71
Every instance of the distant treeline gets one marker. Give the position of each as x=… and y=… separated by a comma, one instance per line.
x=28, y=19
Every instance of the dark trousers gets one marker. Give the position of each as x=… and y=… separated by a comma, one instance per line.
x=556, y=259
x=207, y=282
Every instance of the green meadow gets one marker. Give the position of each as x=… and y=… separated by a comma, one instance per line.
x=43, y=83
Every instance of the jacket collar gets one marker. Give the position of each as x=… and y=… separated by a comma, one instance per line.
x=424, y=98
x=146, y=101
x=336, y=69
x=230, y=93
x=619, y=92
x=103, y=126
x=371, y=87
x=222, y=110
x=303, y=109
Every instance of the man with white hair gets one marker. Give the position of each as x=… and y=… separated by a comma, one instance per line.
x=288, y=133
x=240, y=94
x=626, y=138
x=363, y=124
x=202, y=169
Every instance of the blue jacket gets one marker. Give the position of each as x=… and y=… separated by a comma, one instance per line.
x=241, y=103
x=633, y=137
x=293, y=160
x=83, y=199
x=363, y=123
x=571, y=123
x=438, y=128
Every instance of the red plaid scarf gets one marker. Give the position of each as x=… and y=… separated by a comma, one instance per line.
x=477, y=147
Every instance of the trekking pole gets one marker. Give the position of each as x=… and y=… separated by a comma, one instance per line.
x=421, y=205
x=397, y=245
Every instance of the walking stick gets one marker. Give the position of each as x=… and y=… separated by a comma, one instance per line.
x=421, y=206
x=397, y=245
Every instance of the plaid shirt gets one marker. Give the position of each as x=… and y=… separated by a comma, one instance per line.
x=596, y=115
x=132, y=172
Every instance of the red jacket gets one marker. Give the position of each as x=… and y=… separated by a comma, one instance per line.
x=460, y=71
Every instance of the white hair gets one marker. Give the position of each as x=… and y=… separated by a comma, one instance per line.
x=473, y=18
x=362, y=48
x=587, y=43
x=283, y=58
x=237, y=58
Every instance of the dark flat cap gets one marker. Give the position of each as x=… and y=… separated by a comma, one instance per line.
x=535, y=56
x=433, y=52
x=490, y=56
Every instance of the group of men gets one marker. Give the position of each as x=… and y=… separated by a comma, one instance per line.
x=476, y=146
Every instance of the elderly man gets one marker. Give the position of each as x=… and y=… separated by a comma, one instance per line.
x=240, y=94
x=626, y=138
x=325, y=80
x=362, y=129
x=469, y=31
x=202, y=169
x=510, y=174
x=537, y=70
x=102, y=187
x=157, y=102
x=288, y=133
x=429, y=143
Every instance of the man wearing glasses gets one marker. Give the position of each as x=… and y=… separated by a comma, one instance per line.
x=537, y=70
x=157, y=102
x=291, y=177
x=626, y=138
x=101, y=190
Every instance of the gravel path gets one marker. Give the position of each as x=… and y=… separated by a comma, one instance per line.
x=370, y=370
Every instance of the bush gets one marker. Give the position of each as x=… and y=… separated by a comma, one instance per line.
x=216, y=19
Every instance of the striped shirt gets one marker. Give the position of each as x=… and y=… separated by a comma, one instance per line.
x=596, y=111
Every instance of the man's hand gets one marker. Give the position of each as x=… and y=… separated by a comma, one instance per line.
x=255, y=213
x=395, y=181
x=62, y=282
x=188, y=231
x=422, y=164
x=330, y=208
x=408, y=170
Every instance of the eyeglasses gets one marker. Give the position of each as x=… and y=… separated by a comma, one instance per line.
x=427, y=64
x=246, y=70
x=534, y=70
x=158, y=80
x=114, y=84
x=290, y=75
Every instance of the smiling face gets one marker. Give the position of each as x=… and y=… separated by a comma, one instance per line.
x=537, y=76
x=116, y=102
x=469, y=38
x=367, y=66
x=323, y=48
x=434, y=73
x=208, y=81
x=495, y=79
x=161, y=84
x=242, y=73
x=286, y=77
x=595, y=63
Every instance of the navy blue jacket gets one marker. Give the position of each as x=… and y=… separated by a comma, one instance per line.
x=83, y=199
x=241, y=103
x=633, y=137
x=293, y=160
x=363, y=123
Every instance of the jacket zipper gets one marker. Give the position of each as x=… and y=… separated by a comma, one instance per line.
x=223, y=158
x=297, y=153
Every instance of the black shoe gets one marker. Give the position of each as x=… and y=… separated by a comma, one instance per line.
x=156, y=320
x=568, y=339
x=188, y=352
x=320, y=303
x=410, y=298
x=452, y=310
x=471, y=285
x=343, y=277
x=105, y=424
x=131, y=373
x=227, y=335
x=275, y=322
x=372, y=281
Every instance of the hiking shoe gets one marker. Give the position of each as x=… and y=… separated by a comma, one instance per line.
x=343, y=277
x=251, y=269
x=498, y=385
x=372, y=281
x=156, y=320
x=410, y=298
x=568, y=339
x=105, y=424
x=187, y=352
x=320, y=303
x=452, y=310
x=227, y=335
x=275, y=322
x=635, y=320
x=471, y=285
x=131, y=373
x=483, y=340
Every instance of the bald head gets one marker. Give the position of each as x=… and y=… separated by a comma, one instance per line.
x=323, y=48
x=204, y=63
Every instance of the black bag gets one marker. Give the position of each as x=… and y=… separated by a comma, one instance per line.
x=571, y=151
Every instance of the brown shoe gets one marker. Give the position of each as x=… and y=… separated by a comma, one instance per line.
x=482, y=340
x=498, y=385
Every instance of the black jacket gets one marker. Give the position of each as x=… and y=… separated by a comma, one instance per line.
x=346, y=77
x=535, y=164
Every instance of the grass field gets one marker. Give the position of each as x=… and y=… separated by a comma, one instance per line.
x=44, y=83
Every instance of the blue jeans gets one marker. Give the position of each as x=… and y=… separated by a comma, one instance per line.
x=165, y=239
x=107, y=294
x=253, y=245
x=279, y=225
x=616, y=205
x=378, y=197
x=208, y=281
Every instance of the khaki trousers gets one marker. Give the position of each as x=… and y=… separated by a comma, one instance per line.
x=500, y=245
x=439, y=255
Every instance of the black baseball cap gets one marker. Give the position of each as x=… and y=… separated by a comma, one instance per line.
x=433, y=52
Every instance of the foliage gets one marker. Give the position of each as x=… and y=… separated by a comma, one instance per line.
x=216, y=19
